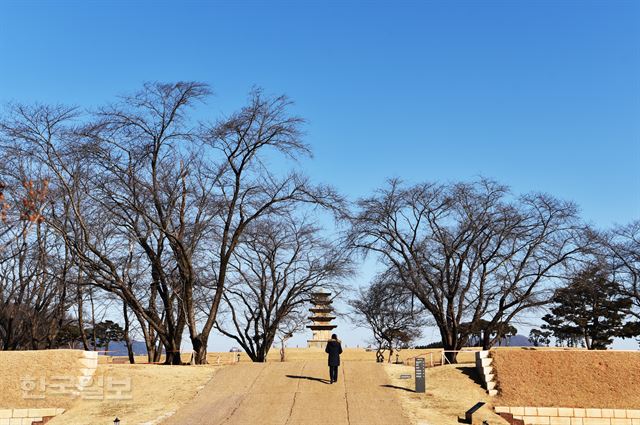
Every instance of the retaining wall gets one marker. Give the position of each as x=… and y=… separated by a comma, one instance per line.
x=484, y=366
x=572, y=415
x=26, y=416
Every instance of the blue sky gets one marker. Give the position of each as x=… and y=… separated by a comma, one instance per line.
x=538, y=95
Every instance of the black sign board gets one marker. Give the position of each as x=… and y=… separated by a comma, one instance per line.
x=420, y=375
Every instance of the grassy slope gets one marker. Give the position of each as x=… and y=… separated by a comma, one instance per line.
x=605, y=379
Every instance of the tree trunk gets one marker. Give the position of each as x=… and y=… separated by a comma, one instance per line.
x=173, y=358
x=172, y=350
x=199, y=344
x=486, y=340
x=200, y=349
x=450, y=344
x=127, y=338
x=261, y=354
x=450, y=356
x=149, y=338
x=83, y=335
x=157, y=354
x=8, y=333
x=172, y=354
x=93, y=321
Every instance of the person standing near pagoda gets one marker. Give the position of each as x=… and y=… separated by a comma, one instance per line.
x=334, y=349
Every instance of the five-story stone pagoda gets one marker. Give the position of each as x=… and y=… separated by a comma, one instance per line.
x=321, y=319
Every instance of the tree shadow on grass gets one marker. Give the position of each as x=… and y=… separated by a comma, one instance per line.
x=395, y=387
x=310, y=378
x=472, y=373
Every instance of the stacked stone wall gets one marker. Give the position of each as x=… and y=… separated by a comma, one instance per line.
x=485, y=370
x=571, y=415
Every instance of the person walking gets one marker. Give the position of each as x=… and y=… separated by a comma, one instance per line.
x=334, y=349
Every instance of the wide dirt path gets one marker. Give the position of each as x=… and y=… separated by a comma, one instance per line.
x=294, y=393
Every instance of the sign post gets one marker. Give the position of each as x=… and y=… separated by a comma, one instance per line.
x=420, y=375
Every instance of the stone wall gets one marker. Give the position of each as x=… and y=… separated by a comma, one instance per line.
x=26, y=416
x=486, y=372
x=571, y=415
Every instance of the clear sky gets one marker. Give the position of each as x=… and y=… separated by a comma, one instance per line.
x=539, y=95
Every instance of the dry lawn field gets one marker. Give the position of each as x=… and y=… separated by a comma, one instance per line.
x=155, y=392
x=304, y=354
x=42, y=366
x=552, y=378
x=296, y=392
x=450, y=391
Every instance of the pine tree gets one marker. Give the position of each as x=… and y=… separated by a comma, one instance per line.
x=592, y=308
x=107, y=332
x=539, y=338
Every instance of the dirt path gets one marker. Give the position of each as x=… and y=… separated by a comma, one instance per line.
x=294, y=393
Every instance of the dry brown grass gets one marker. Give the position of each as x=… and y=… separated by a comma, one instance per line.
x=605, y=379
x=46, y=364
x=305, y=354
x=526, y=377
x=155, y=391
x=450, y=391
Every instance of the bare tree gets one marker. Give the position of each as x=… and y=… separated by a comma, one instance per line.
x=103, y=172
x=248, y=191
x=390, y=312
x=147, y=202
x=34, y=294
x=275, y=268
x=623, y=247
x=289, y=326
x=469, y=251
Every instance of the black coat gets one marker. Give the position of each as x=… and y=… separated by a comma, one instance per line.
x=334, y=349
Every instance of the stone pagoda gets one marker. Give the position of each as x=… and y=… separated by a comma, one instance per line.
x=321, y=326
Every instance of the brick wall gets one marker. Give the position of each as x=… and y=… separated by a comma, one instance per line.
x=572, y=416
x=26, y=416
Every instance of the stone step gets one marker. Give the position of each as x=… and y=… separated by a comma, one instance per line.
x=485, y=362
x=88, y=362
x=87, y=371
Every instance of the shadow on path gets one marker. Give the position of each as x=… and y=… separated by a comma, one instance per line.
x=395, y=387
x=310, y=378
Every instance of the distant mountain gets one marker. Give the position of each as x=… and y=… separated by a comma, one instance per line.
x=515, y=341
x=120, y=349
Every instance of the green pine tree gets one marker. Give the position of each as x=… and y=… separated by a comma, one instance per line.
x=592, y=308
